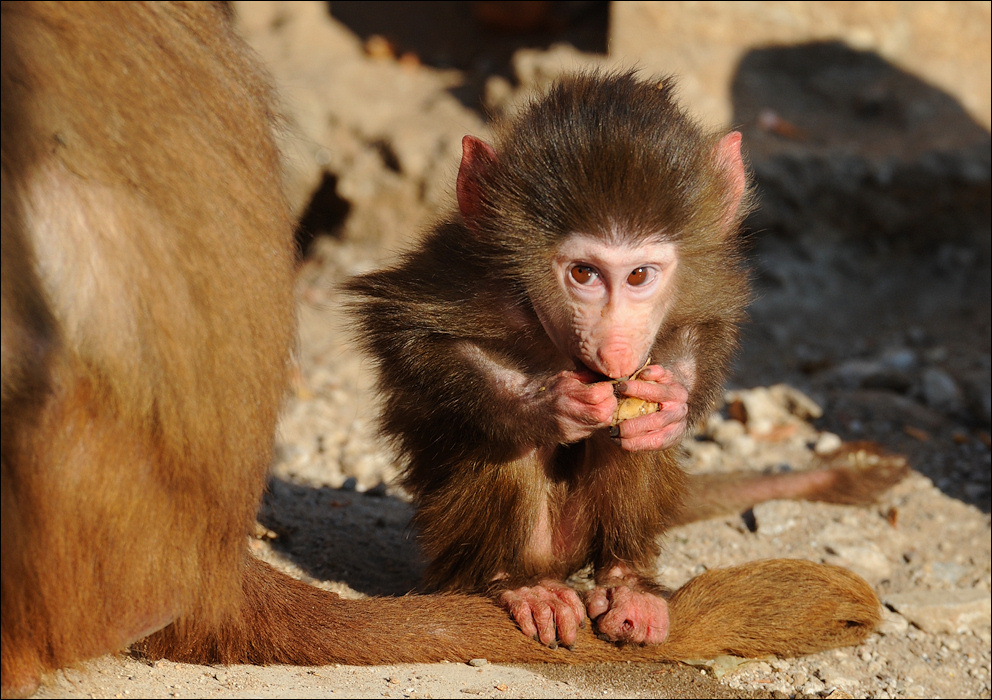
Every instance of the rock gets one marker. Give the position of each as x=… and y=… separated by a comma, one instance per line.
x=721, y=665
x=727, y=431
x=795, y=401
x=867, y=560
x=869, y=374
x=379, y=162
x=535, y=70
x=893, y=624
x=874, y=152
x=827, y=443
x=947, y=44
x=814, y=686
x=841, y=694
x=765, y=410
x=940, y=391
x=944, y=612
x=289, y=36
x=900, y=359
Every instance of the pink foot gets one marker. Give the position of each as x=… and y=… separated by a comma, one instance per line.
x=625, y=614
x=550, y=612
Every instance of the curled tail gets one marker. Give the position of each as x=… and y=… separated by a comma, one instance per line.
x=780, y=607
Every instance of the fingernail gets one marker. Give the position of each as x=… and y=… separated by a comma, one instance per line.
x=614, y=431
x=570, y=647
x=622, y=387
x=553, y=646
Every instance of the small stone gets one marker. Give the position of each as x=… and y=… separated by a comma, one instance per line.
x=900, y=359
x=377, y=491
x=814, y=686
x=855, y=373
x=827, y=443
x=795, y=401
x=839, y=695
x=864, y=559
x=720, y=665
x=728, y=431
x=743, y=446
x=940, y=391
x=478, y=662
x=945, y=612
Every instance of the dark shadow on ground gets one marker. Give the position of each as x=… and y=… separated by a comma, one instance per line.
x=871, y=250
x=340, y=535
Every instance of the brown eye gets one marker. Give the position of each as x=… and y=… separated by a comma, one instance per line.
x=582, y=274
x=638, y=277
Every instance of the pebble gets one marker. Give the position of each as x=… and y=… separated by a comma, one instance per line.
x=827, y=443
x=945, y=612
x=864, y=559
x=855, y=373
x=893, y=624
x=838, y=694
x=940, y=391
x=478, y=662
x=728, y=431
x=744, y=446
x=900, y=359
x=891, y=371
x=796, y=402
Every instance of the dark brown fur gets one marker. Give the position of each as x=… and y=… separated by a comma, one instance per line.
x=594, y=154
x=597, y=155
x=147, y=326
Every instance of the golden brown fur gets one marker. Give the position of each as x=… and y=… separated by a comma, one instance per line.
x=141, y=206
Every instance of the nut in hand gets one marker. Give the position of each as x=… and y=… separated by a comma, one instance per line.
x=630, y=406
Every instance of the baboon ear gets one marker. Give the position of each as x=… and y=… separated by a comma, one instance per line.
x=727, y=153
x=477, y=157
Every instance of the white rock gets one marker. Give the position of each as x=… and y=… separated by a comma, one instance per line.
x=827, y=443
x=945, y=612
